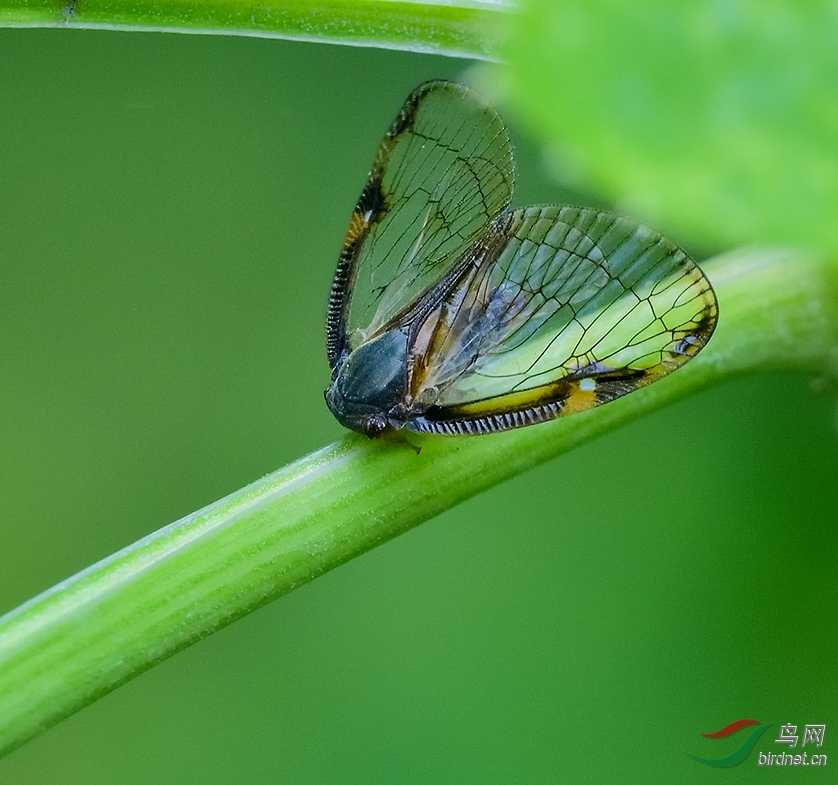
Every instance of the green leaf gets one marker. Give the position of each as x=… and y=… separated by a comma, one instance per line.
x=715, y=118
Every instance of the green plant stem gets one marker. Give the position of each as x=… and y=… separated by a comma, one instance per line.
x=461, y=28
x=87, y=635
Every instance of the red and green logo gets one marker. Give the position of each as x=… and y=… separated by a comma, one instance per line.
x=742, y=751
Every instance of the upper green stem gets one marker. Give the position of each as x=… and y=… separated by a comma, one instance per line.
x=87, y=635
x=461, y=28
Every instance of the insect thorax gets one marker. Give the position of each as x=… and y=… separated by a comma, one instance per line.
x=370, y=381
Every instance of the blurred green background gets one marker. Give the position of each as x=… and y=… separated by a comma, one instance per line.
x=171, y=208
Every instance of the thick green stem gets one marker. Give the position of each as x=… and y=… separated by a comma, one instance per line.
x=65, y=648
x=463, y=28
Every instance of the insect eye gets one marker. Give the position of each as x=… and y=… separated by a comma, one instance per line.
x=375, y=425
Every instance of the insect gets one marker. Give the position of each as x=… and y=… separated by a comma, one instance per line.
x=451, y=313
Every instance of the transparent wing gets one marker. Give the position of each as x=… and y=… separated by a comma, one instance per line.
x=575, y=308
x=443, y=172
